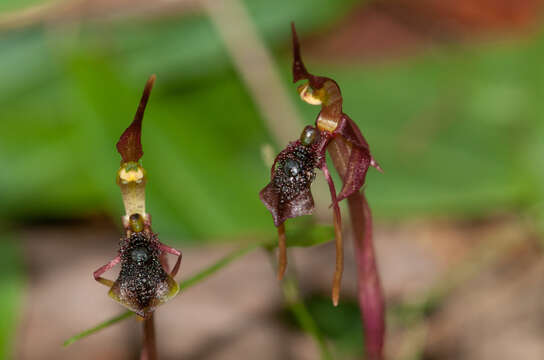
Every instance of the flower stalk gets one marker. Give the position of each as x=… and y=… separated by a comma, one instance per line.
x=282, y=251
x=149, y=344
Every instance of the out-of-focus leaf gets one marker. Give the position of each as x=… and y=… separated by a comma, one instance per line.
x=307, y=14
x=340, y=326
x=302, y=315
x=12, y=5
x=305, y=233
x=450, y=128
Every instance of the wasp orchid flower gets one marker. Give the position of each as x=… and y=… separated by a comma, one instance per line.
x=288, y=194
x=145, y=281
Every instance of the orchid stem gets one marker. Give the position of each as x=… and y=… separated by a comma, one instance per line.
x=371, y=300
x=282, y=251
x=339, y=268
x=149, y=345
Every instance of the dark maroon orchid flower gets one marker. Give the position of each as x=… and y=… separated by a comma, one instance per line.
x=288, y=194
x=351, y=156
x=144, y=282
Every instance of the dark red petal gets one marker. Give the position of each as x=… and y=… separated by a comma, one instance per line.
x=303, y=204
x=370, y=293
x=350, y=131
x=360, y=158
x=359, y=161
x=130, y=144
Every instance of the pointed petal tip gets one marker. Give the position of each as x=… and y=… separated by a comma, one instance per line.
x=375, y=165
x=129, y=145
x=151, y=79
x=294, y=39
x=335, y=299
x=299, y=70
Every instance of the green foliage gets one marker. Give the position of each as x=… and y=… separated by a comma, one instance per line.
x=303, y=232
x=14, y=5
x=306, y=233
x=67, y=97
x=302, y=315
x=455, y=130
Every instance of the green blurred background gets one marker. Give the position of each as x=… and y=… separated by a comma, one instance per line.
x=454, y=120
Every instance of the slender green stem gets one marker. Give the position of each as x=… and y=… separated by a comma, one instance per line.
x=209, y=271
x=99, y=327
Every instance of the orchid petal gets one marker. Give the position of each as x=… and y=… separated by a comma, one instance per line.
x=303, y=204
x=339, y=269
x=130, y=144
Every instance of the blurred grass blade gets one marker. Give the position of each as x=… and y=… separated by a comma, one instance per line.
x=99, y=327
x=195, y=279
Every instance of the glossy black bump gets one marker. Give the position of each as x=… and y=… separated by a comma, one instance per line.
x=309, y=136
x=291, y=167
x=136, y=222
x=140, y=255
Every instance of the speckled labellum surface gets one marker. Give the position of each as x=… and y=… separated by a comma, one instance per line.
x=288, y=194
x=143, y=284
